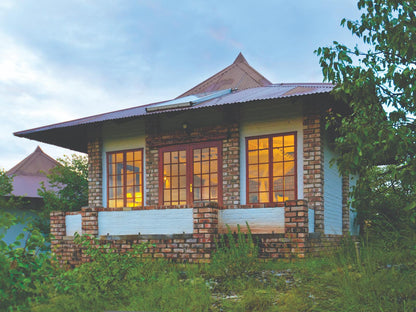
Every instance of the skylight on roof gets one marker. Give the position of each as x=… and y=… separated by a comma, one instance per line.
x=187, y=101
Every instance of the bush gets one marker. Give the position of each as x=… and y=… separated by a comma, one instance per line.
x=23, y=270
x=113, y=281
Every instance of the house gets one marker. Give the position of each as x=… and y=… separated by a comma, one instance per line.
x=234, y=149
x=27, y=178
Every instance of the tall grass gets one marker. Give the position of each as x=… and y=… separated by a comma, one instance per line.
x=358, y=277
x=236, y=255
x=114, y=281
x=372, y=276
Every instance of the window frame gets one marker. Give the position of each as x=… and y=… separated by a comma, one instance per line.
x=189, y=147
x=270, y=164
x=141, y=150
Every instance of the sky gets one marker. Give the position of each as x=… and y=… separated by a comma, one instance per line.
x=63, y=60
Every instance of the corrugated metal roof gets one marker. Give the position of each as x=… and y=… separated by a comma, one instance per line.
x=275, y=91
x=251, y=86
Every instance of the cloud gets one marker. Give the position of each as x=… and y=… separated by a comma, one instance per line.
x=61, y=60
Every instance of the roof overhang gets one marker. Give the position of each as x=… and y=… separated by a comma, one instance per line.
x=75, y=134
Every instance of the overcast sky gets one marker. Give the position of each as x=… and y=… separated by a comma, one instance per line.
x=62, y=60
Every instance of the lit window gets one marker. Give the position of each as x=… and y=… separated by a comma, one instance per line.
x=125, y=178
x=191, y=173
x=271, y=168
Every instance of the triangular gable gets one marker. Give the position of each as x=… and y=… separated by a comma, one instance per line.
x=36, y=164
x=30, y=172
x=239, y=75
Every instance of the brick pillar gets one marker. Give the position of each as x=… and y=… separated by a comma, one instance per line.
x=89, y=221
x=95, y=174
x=205, y=229
x=313, y=168
x=152, y=176
x=231, y=166
x=58, y=231
x=345, y=206
x=296, y=226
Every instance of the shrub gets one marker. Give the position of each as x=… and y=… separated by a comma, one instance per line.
x=23, y=270
x=113, y=281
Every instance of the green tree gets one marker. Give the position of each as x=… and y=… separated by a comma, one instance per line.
x=382, y=198
x=69, y=183
x=378, y=80
x=22, y=269
x=7, y=199
x=6, y=186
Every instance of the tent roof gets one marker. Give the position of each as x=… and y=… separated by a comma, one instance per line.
x=30, y=172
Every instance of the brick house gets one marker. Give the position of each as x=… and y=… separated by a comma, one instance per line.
x=236, y=148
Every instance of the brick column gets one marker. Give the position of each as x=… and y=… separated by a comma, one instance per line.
x=345, y=206
x=95, y=174
x=231, y=166
x=152, y=176
x=313, y=168
x=296, y=226
x=205, y=229
x=58, y=231
x=89, y=221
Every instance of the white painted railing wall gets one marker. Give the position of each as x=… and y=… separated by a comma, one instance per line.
x=260, y=220
x=146, y=222
x=73, y=224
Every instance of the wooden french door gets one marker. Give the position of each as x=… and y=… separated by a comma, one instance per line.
x=190, y=173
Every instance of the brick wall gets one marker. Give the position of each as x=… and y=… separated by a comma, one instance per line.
x=294, y=242
x=227, y=134
x=319, y=244
x=190, y=247
x=313, y=168
x=95, y=174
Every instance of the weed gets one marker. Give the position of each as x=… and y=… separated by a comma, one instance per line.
x=236, y=255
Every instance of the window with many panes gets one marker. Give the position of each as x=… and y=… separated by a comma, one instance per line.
x=271, y=168
x=125, y=178
x=190, y=173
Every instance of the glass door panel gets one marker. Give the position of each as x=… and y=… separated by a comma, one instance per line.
x=205, y=174
x=190, y=174
x=174, y=178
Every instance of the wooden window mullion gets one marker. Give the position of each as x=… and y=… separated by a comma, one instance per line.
x=189, y=174
x=124, y=180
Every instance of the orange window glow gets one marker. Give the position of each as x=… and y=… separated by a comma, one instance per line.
x=271, y=168
x=125, y=179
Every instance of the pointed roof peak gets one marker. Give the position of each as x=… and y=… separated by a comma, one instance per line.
x=239, y=75
x=37, y=163
x=240, y=59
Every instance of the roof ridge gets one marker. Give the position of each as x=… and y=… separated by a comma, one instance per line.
x=214, y=80
x=220, y=73
x=247, y=74
x=240, y=59
x=28, y=160
x=21, y=163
